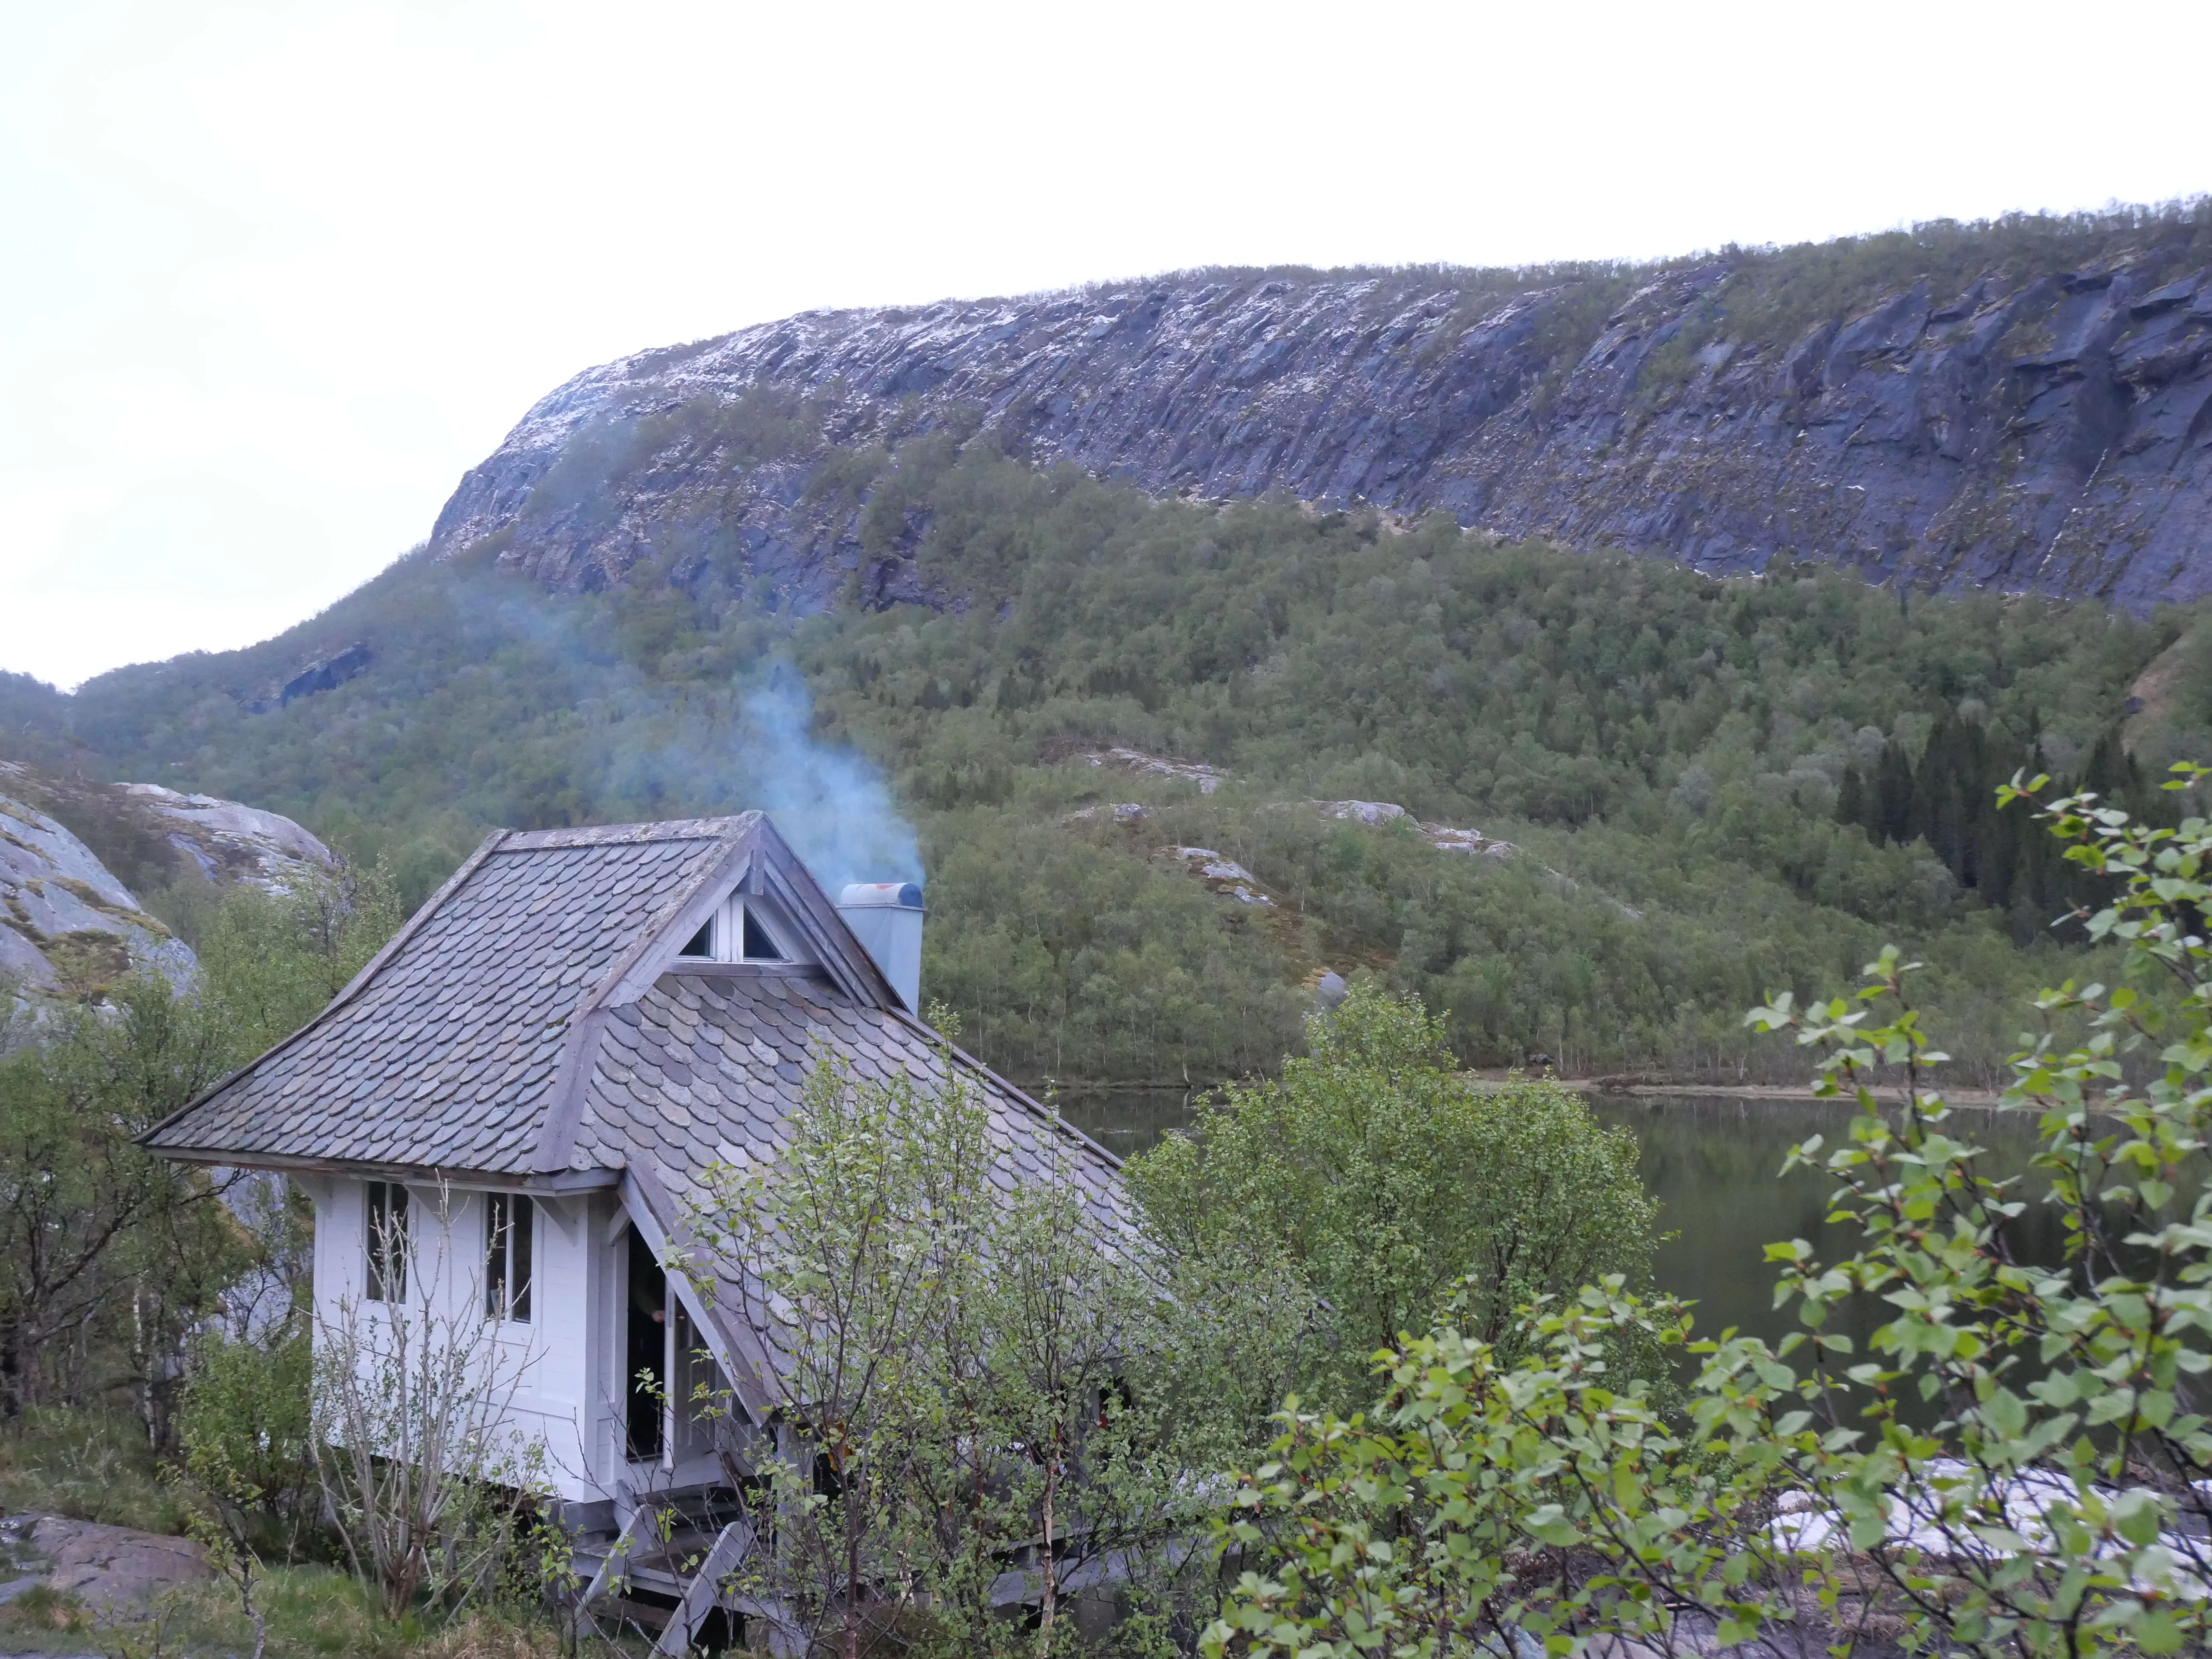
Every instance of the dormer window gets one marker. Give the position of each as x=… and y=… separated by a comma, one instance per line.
x=738, y=931
x=758, y=946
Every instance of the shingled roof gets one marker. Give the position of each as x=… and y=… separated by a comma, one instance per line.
x=530, y=1025
x=702, y=1070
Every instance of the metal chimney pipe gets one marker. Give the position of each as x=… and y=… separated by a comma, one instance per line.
x=885, y=916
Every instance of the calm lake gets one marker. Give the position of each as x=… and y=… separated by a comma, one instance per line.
x=1714, y=1162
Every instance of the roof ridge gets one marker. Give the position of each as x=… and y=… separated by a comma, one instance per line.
x=564, y=1110
x=609, y=835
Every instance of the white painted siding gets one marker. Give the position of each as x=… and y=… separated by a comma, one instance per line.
x=568, y=1364
x=606, y=1384
x=551, y=1370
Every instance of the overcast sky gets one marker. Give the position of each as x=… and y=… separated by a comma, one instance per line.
x=273, y=275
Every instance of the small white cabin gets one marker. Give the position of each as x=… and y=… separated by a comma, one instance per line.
x=524, y=1084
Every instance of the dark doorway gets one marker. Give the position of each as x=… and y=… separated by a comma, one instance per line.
x=720, y=1632
x=646, y=1359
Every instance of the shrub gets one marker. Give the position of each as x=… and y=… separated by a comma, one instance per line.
x=1385, y=1181
x=245, y=1426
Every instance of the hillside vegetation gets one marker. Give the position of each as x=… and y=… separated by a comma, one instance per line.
x=1700, y=778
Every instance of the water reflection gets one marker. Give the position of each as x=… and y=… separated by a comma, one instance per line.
x=1715, y=1163
x=1127, y=1121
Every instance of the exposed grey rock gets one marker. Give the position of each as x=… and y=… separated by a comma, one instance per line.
x=1224, y=875
x=329, y=674
x=113, y=1567
x=2049, y=433
x=326, y=674
x=1330, y=990
x=1212, y=865
x=1122, y=811
x=1207, y=778
x=67, y=926
x=231, y=842
x=1444, y=837
x=1363, y=812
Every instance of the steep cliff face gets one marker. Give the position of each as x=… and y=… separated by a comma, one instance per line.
x=1990, y=418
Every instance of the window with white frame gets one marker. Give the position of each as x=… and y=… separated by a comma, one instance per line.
x=510, y=1220
x=740, y=930
x=387, y=1242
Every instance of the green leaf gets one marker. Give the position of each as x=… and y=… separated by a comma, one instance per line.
x=2156, y=1630
x=1549, y=1523
x=2139, y=1516
x=2006, y=1413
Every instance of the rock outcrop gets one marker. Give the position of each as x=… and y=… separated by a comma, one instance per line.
x=115, y=1568
x=67, y=926
x=2032, y=428
x=229, y=842
x=324, y=674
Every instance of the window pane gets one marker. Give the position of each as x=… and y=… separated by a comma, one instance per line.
x=646, y=1350
x=373, y=1238
x=703, y=942
x=387, y=1241
x=526, y=1220
x=759, y=947
x=497, y=1226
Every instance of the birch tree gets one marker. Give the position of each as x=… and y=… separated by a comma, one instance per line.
x=846, y=1254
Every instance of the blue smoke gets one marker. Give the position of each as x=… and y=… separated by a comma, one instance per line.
x=831, y=805
x=617, y=747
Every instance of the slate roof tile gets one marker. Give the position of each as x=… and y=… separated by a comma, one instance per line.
x=756, y=1087
x=448, y=1010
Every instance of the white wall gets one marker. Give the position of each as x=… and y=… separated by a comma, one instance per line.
x=543, y=1371
x=561, y=1376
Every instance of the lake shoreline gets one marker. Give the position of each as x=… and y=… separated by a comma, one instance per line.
x=1778, y=1093
x=1176, y=1100
x=1646, y=1086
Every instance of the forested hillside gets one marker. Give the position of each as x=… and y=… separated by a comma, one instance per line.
x=1707, y=789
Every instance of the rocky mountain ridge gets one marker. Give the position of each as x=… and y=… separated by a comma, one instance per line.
x=2008, y=413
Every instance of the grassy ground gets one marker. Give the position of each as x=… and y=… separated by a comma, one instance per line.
x=88, y=1467
x=311, y=1612
x=97, y=1466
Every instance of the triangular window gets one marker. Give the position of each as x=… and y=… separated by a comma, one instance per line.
x=741, y=929
x=759, y=947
